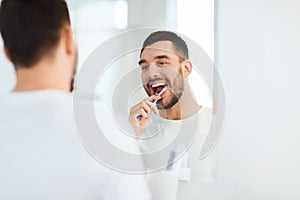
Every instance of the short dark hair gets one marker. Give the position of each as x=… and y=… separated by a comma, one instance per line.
x=31, y=28
x=178, y=42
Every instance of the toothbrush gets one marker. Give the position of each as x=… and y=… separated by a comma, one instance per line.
x=154, y=101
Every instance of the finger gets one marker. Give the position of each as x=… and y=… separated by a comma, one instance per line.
x=154, y=97
x=143, y=113
x=138, y=115
x=146, y=107
x=152, y=106
x=136, y=108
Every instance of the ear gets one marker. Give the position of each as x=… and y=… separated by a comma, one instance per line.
x=187, y=68
x=6, y=53
x=69, y=40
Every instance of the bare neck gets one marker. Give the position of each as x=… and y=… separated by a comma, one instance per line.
x=44, y=75
x=184, y=108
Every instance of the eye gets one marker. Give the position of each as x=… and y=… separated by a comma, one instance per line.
x=145, y=67
x=161, y=63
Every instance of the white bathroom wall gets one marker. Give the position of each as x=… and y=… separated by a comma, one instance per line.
x=257, y=54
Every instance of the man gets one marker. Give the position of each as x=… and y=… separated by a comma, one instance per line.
x=165, y=66
x=41, y=154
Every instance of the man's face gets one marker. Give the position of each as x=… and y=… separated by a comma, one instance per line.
x=161, y=66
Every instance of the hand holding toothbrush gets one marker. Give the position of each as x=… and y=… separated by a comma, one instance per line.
x=140, y=114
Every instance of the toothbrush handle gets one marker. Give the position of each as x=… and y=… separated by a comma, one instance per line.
x=140, y=116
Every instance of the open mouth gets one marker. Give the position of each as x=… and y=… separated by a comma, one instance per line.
x=157, y=87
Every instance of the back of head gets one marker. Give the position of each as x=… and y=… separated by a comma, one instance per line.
x=31, y=28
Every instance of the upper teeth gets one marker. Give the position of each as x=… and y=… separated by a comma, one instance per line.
x=158, y=84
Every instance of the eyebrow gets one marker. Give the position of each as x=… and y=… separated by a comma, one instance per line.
x=162, y=57
x=142, y=61
x=156, y=58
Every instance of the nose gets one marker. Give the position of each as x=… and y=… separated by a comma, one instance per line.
x=153, y=70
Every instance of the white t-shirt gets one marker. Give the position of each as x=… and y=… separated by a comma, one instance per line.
x=42, y=157
x=185, y=138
